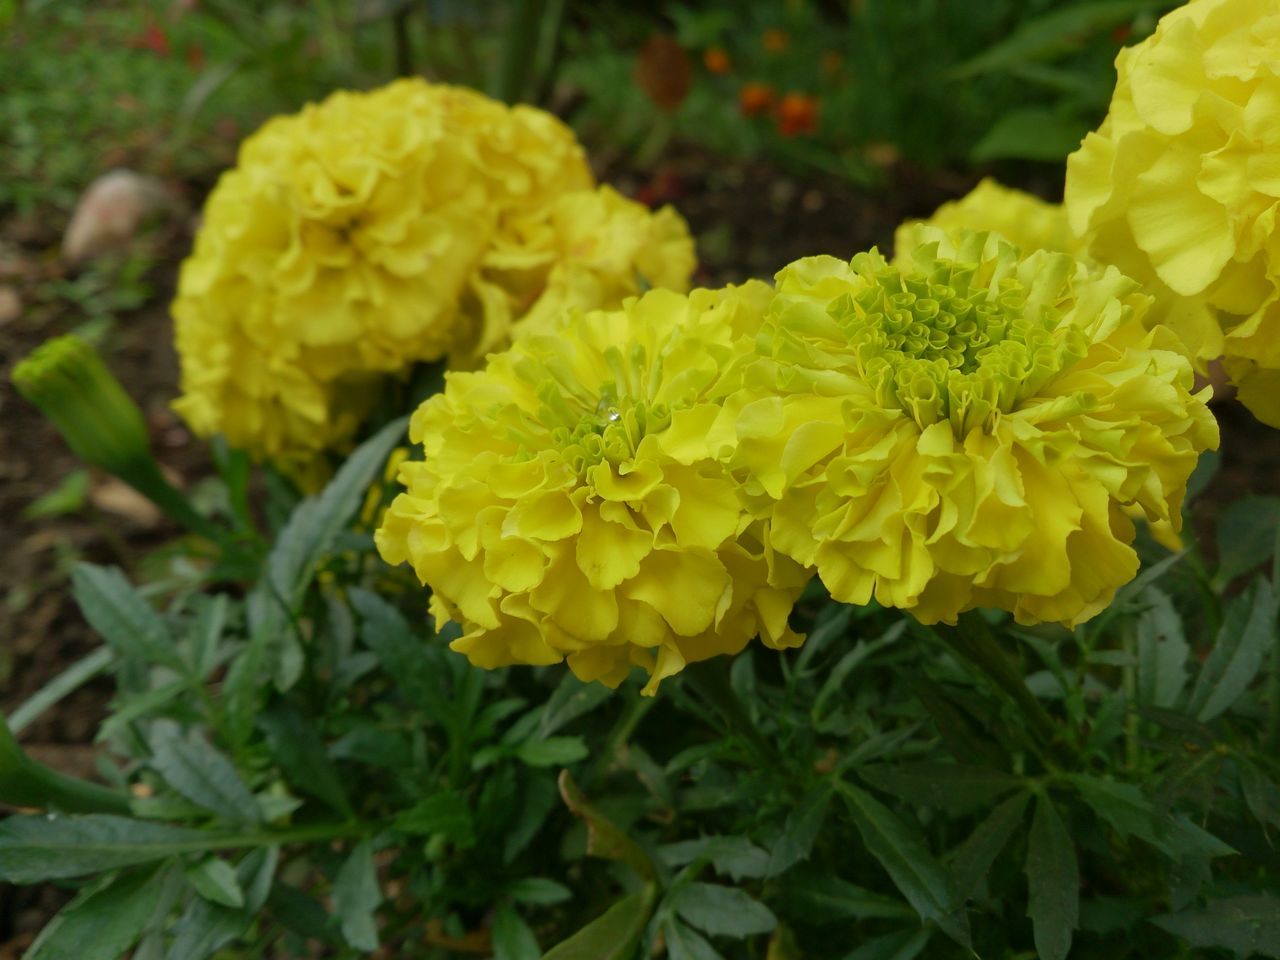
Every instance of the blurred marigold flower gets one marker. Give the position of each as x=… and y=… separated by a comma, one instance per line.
x=755, y=98
x=378, y=230
x=716, y=60
x=775, y=40
x=572, y=504
x=797, y=114
x=964, y=427
x=1180, y=186
x=1023, y=219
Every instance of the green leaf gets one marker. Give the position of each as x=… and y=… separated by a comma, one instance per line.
x=1162, y=651
x=903, y=945
x=1246, y=536
x=446, y=813
x=512, y=937
x=1246, y=636
x=124, y=619
x=412, y=665
x=1247, y=926
x=67, y=497
x=604, y=838
x=820, y=897
x=736, y=856
x=206, y=634
x=298, y=749
x=956, y=788
x=902, y=852
x=104, y=920
x=1053, y=882
x=205, y=927
x=538, y=890
x=215, y=880
x=1055, y=33
x=51, y=847
x=200, y=773
x=356, y=897
x=537, y=800
x=611, y=936
x=685, y=944
x=570, y=700
x=552, y=752
x=722, y=911
x=799, y=832
x=1031, y=133
x=974, y=857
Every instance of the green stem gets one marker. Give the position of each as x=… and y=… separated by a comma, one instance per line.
x=146, y=478
x=711, y=679
x=26, y=783
x=971, y=640
x=632, y=713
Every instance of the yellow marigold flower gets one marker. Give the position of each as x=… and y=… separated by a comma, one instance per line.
x=1181, y=183
x=587, y=250
x=350, y=243
x=1023, y=219
x=963, y=427
x=572, y=504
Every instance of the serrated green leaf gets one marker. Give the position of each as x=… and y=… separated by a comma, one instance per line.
x=296, y=746
x=819, y=897
x=737, y=857
x=956, y=788
x=356, y=897
x=215, y=880
x=200, y=773
x=799, y=832
x=512, y=937
x=686, y=944
x=570, y=700
x=611, y=936
x=1247, y=926
x=903, y=945
x=414, y=666
x=124, y=619
x=722, y=911
x=1246, y=536
x=974, y=857
x=538, y=890
x=1246, y=636
x=52, y=847
x=537, y=800
x=446, y=813
x=1162, y=651
x=205, y=927
x=104, y=920
x=604, y=838
x=1053, y=882
x=206, y=633
x=901, y=850
x=552, y=752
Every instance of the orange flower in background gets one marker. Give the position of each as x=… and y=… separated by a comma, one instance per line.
x=797, y=115
x=832, y=63
x=775, y=40
x=755, y=98
x=716, y=60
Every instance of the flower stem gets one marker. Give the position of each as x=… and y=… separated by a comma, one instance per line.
x=26, y=783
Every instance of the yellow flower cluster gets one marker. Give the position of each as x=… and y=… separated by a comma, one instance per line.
x=1023, y=219
x=1180, y=186
x=963, y=427
x=573, y=504
x=377, y=230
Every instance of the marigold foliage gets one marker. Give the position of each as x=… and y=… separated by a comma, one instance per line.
x=377, y=230
x=572, y=504
x=1181, y=183
x=964, y=427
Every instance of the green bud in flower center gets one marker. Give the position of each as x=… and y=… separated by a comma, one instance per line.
x=941, y=346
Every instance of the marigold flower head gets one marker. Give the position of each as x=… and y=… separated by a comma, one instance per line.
x=716, y=60
x=573, y=505
x=964, y=427
x=1181, y=183
x=775, y=40
x=1023, y=219
x=355, y=239
x=797, y=115
x=755, y=98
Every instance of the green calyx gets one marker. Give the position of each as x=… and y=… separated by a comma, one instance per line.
x=941, y=345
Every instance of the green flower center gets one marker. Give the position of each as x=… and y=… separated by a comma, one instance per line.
x=942, y=347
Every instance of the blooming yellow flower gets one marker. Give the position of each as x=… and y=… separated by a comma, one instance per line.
x=963, y=427
x=1023, y=219
x=1181, y=183
x=350, y=243
x=572, y=504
